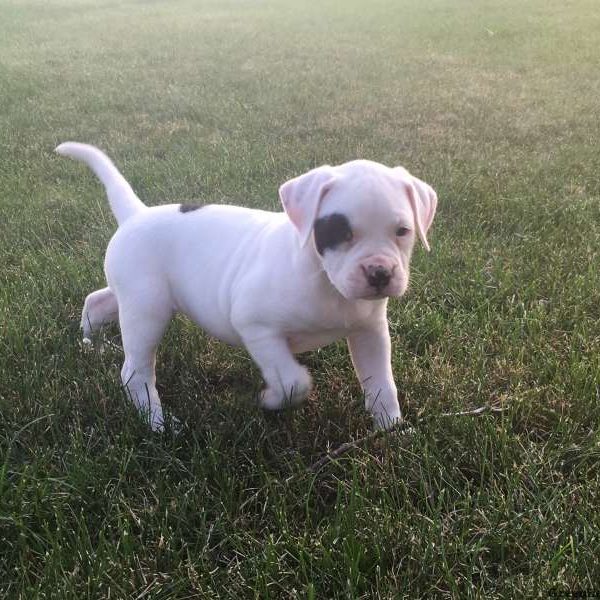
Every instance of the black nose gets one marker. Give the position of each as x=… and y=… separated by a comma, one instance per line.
x=378, y=276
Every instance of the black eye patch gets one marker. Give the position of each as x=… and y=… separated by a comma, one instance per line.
x=331, y=231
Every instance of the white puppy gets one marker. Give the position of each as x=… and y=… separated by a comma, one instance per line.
x=278, y=283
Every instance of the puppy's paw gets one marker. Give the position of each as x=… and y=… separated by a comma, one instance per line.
x=156, y=420
x=271, y=399
x=384, y=420
x=148, y=406
x=289, y=395
x=96, y=344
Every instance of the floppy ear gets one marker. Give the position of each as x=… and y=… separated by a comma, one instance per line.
x=423, y=201
x=301, y=198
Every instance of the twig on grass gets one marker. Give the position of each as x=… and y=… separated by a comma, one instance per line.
x=331, y=456
x=476, y=411
x=400, y=428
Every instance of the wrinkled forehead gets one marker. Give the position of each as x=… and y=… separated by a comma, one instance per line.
x=369, y=197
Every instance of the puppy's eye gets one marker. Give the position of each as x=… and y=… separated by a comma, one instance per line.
x=402, y=231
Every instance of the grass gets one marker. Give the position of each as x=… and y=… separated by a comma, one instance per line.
x=495, y=104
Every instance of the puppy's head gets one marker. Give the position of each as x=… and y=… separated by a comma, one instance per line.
x=363, y=219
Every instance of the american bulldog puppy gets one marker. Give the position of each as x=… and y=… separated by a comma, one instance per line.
x=278, y=283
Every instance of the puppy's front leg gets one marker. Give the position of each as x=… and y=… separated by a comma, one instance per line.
x=288, y=382
x=371, y=355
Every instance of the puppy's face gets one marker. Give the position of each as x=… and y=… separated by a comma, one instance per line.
x=363, y=219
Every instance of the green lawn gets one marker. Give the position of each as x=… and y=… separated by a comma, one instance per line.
x=496, y=104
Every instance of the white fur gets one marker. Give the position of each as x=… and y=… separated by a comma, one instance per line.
x=250, y=277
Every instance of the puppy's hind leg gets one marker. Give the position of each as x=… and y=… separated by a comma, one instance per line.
x=100, y=307
x=143, y=323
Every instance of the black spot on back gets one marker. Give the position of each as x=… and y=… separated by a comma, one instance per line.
x=331, y=231
x=185, y=208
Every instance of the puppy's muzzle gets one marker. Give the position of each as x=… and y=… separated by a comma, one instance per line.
x=378, y=276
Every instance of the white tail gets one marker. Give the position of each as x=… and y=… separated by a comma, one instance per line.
x=123, y=201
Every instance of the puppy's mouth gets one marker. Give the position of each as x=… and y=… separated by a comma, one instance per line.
x=375, y=293
x=359, y=291
x=379, y=294
x=371, y=294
